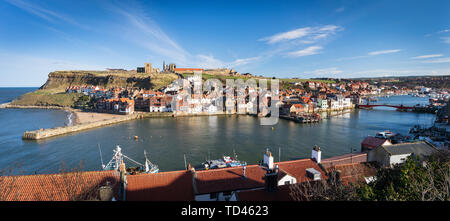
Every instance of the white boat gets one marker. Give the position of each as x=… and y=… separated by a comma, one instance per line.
x=384, y=134
x=226, y=161
x=118, y=158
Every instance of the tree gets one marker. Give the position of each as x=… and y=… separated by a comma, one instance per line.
x=417, y=179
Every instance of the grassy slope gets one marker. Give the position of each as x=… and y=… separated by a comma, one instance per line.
x=47, y=97
x=54, y=93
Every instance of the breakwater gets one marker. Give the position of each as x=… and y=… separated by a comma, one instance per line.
x=52, y=132
x=9, y=105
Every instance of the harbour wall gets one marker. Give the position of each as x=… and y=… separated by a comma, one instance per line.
x=52, y=132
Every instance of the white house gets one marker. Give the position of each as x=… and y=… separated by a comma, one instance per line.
x=390, y=155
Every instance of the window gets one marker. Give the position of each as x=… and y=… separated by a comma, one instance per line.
x=287, y=182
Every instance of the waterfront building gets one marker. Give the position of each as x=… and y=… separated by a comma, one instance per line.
x=297, y=109
x=322, y=104
x=390, y=155
x=116, y=105
x=142, y=103
x=160, y=104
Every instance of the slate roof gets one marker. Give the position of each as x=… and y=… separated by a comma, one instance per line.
x=418, y=148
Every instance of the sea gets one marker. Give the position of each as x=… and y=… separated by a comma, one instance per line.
x=169, y=141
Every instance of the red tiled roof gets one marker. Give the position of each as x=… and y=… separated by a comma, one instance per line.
x=373, y=142
x=165, y=186
x=297, y=168
x=344, y=159
x=228, y=179
x=188, y=69
x=354, y=173
x=56, y=187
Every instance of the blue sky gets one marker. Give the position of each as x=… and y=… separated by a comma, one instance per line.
x=304, y=39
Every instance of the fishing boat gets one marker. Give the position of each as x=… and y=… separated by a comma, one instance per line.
x=384, y=134
x=118, y=158
x=226, y=161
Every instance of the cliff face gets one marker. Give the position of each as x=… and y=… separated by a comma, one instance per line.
x=52, y=93
x=60, y=80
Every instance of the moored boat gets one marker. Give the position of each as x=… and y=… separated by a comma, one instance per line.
x=118, y=158
x=226, y=161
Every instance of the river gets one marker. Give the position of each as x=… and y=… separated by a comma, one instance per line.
x=167, y=140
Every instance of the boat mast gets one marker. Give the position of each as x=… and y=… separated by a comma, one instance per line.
x=101, y=158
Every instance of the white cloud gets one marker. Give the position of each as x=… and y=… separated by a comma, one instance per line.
x=45, y=13
x=310, y=33
x=244, y=61
x=384, y=52
x=446, y=40
x=294, y=34
x=326, y=72
x=428, y=56
x=439, y=60
x=307, y=51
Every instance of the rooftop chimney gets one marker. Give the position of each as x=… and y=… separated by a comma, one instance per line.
x=271, y=180
x=268, y=160
x=316, y=154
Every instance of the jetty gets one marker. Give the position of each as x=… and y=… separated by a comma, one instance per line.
x=303, y=119
x=52, y=132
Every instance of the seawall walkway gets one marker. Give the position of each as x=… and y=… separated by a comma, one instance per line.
x=46, y=133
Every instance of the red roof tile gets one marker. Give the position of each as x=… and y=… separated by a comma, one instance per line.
x=354, y=173
x=165, y=186
x=344, y=159
x=228, y=179
x=56, y=187
x=297, y=168
x=188, y=69
x=373, y=142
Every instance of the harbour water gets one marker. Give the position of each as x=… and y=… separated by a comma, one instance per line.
x=167, y=140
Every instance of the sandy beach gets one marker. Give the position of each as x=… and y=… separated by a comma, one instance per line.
x=89, y=117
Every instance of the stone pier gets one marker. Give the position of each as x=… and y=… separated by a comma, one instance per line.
x=46, y=133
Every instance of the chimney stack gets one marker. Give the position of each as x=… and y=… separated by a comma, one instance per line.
x=316, y=154
x=271, y=180
x=268, y=160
